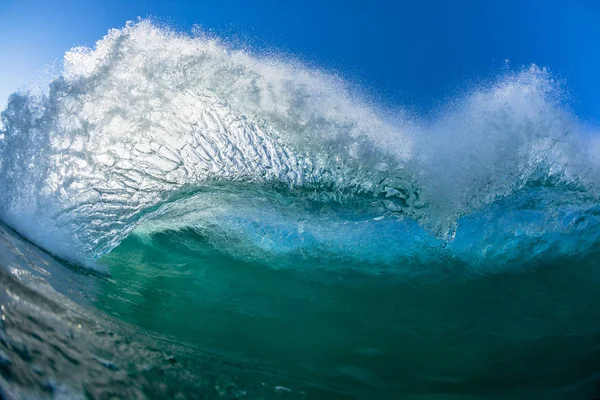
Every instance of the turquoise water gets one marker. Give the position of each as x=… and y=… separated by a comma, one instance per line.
x=529, y=333
x=250, y=227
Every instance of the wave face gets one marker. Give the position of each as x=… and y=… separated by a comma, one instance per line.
x=150, y=126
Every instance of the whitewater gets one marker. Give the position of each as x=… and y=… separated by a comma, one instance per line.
x=251, y=213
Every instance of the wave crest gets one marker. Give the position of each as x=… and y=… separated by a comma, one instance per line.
x=150, y=113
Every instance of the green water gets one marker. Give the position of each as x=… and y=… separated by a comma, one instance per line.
x=445, y=331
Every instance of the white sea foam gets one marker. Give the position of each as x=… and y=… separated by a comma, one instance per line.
x=150, y=112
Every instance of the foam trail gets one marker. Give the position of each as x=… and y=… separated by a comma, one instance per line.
x=149, y=114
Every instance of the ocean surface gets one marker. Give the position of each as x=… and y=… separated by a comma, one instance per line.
x=184, y=219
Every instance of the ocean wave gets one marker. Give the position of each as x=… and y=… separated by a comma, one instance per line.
x=152, y=121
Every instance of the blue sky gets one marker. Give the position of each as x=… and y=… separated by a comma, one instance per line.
x=408, y=53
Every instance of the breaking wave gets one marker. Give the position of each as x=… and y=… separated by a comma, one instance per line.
x=155, y=130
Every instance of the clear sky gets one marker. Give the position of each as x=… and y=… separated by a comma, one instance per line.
x=408, y=53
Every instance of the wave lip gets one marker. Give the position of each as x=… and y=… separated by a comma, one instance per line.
x=149, y=115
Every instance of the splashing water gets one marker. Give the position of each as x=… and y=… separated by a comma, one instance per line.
x=158, y=155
